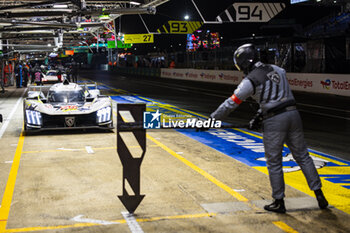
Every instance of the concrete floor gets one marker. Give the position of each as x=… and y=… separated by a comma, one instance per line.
x=51, y=183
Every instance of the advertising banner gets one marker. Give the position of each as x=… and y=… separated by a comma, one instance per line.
x=215, y=76
x=338, y=84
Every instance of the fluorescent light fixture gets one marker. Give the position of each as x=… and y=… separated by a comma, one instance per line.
x=60, y=6
x=135, y=3
x=187, y=17
x=297, y=1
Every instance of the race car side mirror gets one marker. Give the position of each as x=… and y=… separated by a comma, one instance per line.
x=44, y=100
x=89, y=99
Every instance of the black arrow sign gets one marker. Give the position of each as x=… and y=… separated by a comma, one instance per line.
x=131, y=165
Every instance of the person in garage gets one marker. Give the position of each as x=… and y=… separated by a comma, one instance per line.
x=281, y=122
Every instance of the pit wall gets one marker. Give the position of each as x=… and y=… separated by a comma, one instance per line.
x=337, y=84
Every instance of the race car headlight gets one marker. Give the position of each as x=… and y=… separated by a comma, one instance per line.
x=104, y=114
x=33, y=117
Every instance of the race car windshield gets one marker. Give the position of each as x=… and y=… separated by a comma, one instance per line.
x=51, y=74
x=66, y=96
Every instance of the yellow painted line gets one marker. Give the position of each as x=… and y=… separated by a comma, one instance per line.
x=311, y=153
x=284, y=227
x=337, y=196
x=47, y=151
x=200, y=171
x=248, y=133
x=29, y=229
x=10, y=185
x=122, y=221
x=100, y=148
x=329, y=159
x=105, y=148
x=335, y=193
x=177, y=217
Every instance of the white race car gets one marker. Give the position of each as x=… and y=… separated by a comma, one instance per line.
x=52, y=77
x=67, y=106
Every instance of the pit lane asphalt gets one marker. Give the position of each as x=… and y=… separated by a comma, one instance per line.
x=61, y=187
x=326, y=118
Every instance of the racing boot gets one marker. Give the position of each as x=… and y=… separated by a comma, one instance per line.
x=276, y=206
x=322, y=201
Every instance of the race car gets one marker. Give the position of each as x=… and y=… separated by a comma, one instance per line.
x=52, y=77
x=67, y=106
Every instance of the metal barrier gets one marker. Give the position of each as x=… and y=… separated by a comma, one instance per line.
x=131, y=148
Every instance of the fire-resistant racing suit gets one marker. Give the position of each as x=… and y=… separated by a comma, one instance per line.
x=268, y=85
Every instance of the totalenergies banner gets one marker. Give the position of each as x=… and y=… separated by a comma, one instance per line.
x=338, y=84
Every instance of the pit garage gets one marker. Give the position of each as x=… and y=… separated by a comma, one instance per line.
x=106, y=115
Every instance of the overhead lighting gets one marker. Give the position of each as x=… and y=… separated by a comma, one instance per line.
x=135, y=3
x=187, y=17
x=60, y=6
x=49, y=45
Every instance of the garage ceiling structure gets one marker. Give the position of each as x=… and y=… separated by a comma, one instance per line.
x=44, y=26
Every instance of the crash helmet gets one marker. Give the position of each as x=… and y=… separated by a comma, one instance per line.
x=245, y=57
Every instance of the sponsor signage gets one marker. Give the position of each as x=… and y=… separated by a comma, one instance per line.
x=138, y=38
x=338, y=84
x=111, y=44
x=216, y=76
x=180, y=27
x=250, y=12
x=121, y=45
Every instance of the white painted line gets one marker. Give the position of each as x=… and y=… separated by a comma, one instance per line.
x=8, y=162
x=62, y=148
x=179, y=153
x=239, y=190
x=89, y=150
x=79, y=218
x=8, y=119
x=132, y=223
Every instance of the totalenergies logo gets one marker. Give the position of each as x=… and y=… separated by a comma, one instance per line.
x=326, y=84
x=69, y=108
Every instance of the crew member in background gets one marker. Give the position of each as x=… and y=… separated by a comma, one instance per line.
x=74, y=72
x=38, y=77
x=268, y=85
x=2, y=81
x=19, y=75
x=33, y=70
x=172, y=64
x=7, y=73
x=25, y=74
x=68, y=73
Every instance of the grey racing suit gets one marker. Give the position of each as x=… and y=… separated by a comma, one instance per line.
x=268, y=85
